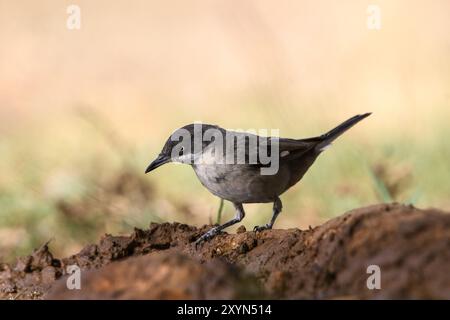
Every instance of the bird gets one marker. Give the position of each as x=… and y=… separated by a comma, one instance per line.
x=216, y=162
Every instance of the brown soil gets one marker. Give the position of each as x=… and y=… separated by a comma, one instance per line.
x=410, y=246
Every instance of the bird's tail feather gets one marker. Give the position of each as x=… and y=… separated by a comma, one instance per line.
x=327, y=138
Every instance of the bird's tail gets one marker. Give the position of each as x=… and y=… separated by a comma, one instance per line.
x=327, y=138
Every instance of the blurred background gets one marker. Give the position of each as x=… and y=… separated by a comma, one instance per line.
x=83, y=112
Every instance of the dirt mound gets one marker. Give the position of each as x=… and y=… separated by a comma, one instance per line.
x=410, y=246
x=162, y=275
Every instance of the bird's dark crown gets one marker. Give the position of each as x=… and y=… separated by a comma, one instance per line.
x=190, y=131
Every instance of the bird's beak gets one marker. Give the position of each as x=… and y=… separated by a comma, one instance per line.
x=162, y=159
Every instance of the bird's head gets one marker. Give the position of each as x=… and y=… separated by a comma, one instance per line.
x=183, y=145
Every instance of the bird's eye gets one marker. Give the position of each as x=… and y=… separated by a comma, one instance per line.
x=182, y=151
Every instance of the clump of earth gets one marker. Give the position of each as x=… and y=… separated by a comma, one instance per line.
x=383, y=251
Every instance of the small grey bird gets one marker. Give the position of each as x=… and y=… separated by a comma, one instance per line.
x=240, y=178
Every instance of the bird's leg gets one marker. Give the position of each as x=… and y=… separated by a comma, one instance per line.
x=277, y=206
x=214, y=231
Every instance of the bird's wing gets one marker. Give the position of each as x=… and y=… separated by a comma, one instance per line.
x=293, y=148
x=252, y=149
x=288, y=149
x=296, y=144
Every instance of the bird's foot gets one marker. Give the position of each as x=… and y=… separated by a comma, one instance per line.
x=262, y=228
x=206, y=236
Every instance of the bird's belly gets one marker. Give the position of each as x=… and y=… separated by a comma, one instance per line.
x=241, y=183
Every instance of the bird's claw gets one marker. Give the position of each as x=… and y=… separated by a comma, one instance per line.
x=206, y=237
x=262, y=228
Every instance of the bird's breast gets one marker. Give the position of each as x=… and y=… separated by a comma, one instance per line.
x=242, y=183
